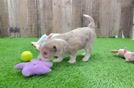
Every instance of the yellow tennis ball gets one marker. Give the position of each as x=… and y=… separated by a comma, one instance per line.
x=26, y=56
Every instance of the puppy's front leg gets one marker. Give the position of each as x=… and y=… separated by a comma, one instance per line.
x=72, y=59
x=87, y=57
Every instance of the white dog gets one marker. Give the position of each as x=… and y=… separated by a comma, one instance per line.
x=69, y=43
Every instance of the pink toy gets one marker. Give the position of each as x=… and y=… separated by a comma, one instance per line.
x=128, y=55
x=35, y=67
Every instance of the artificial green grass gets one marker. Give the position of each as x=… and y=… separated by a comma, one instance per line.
x=103, y=70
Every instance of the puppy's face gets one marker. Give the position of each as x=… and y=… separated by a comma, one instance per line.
x=50, y=48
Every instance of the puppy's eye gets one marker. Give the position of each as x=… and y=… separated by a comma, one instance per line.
x=45, y=53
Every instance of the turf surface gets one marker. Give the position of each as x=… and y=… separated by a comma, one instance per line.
x=103, y=70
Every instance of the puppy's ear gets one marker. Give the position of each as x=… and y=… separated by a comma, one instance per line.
x=55, y=48
x=50, y=35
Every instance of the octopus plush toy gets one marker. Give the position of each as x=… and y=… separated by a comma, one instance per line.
x=128, y=55
x=34, y=67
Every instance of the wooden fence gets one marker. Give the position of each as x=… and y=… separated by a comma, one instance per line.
x=36, y=17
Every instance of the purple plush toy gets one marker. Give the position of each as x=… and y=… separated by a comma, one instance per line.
x=35, y=67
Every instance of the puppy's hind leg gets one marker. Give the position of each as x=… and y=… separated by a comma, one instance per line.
x=88, y=53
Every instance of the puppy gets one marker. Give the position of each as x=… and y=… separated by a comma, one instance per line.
x=69, y=43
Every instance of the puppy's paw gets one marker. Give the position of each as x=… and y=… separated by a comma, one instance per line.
x=72, y=61
x=127, y=60
x=85, y=59
x=57, y=60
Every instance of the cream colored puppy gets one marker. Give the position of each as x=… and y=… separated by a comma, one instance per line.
x=69, y=43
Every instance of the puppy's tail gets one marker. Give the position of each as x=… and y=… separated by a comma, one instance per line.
x=92, y=23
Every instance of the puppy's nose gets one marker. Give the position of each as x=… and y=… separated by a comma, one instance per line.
x=45, y=53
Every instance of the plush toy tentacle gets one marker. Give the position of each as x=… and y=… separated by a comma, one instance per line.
x=20, y=66
x=48, y=64
x=26, y=73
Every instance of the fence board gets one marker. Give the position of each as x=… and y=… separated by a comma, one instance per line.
x=23, y=17
x=45, y=12
x=33, y=20
x=76, y=13
x=66, y=18
x=3, y=17
x=57, y=15
x=126, y=19
x=95, y=15
x=116, y=6
x=105, y=17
